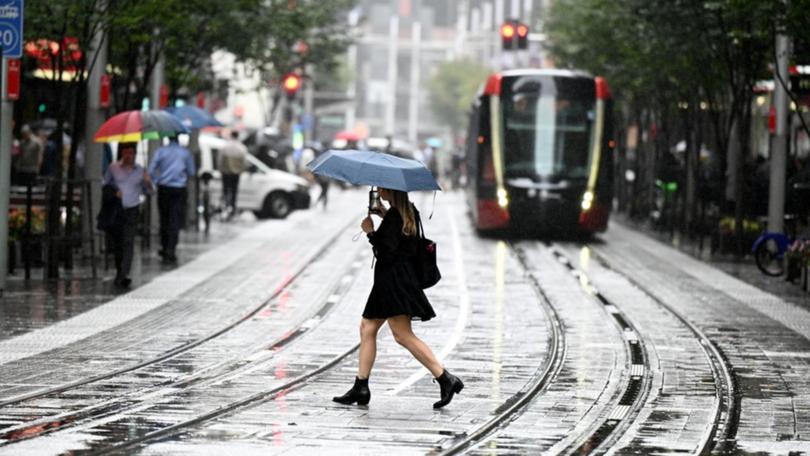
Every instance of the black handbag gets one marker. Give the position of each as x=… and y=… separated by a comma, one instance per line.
x=427, y=271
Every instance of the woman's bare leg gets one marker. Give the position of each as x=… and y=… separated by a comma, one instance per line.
x=403, y=334
x=368, y=345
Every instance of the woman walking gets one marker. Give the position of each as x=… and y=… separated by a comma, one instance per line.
x=396, y=298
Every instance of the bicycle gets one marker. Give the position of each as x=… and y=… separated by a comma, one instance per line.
x=770, y=247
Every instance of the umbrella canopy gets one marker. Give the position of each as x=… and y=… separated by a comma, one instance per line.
x=193, y=117
x=364, y=167
x=348, y=135
x=131, y=126
x=434, y=142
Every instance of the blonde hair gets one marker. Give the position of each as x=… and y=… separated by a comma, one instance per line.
x=403, y=204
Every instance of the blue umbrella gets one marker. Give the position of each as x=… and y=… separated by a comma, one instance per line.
x=363, y=167
x=193, y=117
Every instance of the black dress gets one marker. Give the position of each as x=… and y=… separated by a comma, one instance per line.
x=396, y=290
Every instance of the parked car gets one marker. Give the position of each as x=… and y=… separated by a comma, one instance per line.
x=265, y=191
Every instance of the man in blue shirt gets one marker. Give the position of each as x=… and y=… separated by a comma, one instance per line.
x=128, y=180
x=171, y=167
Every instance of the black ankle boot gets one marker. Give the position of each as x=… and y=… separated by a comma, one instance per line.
x=359, y=393
x=450, y=385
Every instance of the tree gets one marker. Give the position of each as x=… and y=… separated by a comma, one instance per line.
x=675, y=59
x=273, y=36
x=62, y=31
x=452, y=88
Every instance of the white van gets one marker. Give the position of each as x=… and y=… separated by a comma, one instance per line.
x=265, y=191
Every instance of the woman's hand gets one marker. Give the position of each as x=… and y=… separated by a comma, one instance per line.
x=367, y=225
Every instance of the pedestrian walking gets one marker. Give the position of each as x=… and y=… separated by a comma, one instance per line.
x=323, y=182
x=397, y=298
x=29, y=160
x=232, y=161
x=124, y=182
x=171, y=168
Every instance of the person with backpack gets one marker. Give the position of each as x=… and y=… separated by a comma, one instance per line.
x=396, y=297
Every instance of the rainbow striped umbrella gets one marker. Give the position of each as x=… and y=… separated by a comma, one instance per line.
x=129, y=126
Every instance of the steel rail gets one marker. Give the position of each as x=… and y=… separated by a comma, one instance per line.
x=515, y=404
x=326, y=246
x=727, y=411
x=227, y=368
x=635, y=389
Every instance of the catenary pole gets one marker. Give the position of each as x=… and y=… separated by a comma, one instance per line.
x=6, y=113
x=778, y=161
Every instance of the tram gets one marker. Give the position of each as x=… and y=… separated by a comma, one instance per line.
x=539, y=153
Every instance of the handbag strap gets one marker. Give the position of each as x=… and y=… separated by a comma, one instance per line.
x=420, y=230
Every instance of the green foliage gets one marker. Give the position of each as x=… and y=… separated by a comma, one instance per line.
x=666, y=49
x=266, y=34
x=452, y=89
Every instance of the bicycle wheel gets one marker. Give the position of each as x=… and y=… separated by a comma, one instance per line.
x=769, y=259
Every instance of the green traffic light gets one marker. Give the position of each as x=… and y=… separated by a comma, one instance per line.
x=42, y=107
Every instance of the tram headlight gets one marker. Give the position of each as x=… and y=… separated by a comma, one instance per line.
x=503, y=198
x=587, y=200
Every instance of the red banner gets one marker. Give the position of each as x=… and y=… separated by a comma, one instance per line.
x=104, y=96
x=164, y=96
x=13, y=80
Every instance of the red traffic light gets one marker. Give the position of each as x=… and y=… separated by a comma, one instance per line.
x=291, y=83
x=522, y=30
x=507, y=30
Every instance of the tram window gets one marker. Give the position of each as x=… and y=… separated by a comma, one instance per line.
x=547, y=135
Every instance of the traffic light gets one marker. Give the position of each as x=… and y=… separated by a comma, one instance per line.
x=291, y=83
x=514, y=35
x=522, y=36
x=508, y=33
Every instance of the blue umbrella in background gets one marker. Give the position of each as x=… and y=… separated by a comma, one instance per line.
x=434, y=142
x=193, y=117
x=363, y=167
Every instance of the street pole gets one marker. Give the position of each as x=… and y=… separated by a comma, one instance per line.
x=393, y=48
x=351, y=111
x=308, y=118
x=485, y=39
x=6, y=113
x=94, y=118
x=153, y=145
x=499, y=18
x=413, y=99
x=778, y=165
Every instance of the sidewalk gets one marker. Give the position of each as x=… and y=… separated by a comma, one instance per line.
x=742, y=268
x=29, y=305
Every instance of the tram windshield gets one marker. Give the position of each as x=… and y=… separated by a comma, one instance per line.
x=548, y=126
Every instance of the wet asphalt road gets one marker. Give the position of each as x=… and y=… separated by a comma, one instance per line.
x=617, y=346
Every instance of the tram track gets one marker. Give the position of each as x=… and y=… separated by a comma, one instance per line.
x=637, y=377
x=47, y=424
x=720, y=435
x=629, y=398
x=507, y=408
x=596, y=439
x=220, y=372
x=546, y=373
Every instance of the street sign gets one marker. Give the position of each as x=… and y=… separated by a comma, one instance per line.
x=13, y=80
x=11, y=28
